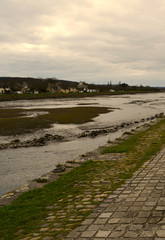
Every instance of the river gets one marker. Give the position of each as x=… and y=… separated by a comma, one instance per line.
x=17, y=166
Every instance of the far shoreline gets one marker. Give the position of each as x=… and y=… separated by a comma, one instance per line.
x=32, y=96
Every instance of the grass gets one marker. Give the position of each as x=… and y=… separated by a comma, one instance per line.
x=41, y=180
x=16, y=121
x=67, y=199
x=141, y=146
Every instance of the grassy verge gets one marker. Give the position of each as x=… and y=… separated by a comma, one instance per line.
x=15, y=121
x=141, y=146
x=62, y=205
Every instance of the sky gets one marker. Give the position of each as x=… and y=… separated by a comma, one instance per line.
x=96, y=41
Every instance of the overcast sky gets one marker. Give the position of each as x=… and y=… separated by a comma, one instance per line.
x=84, y=40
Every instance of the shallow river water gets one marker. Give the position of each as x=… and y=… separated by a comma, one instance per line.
x=17, y=166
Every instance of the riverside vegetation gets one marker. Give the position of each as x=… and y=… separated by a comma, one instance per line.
x=60, y=206
x=32, y=96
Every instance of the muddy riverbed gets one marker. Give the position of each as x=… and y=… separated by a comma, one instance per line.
x=19, y=165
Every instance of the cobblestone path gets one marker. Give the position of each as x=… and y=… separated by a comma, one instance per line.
x=134, y=211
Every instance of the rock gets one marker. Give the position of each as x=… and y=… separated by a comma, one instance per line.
x=57, y=137
x=136, y=122
x=59, y=169
x=15, y=141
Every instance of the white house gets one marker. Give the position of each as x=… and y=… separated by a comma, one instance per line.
x=112, y=90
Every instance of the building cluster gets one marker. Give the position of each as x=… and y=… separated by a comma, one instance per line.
x=24, y=88
x=56, y=88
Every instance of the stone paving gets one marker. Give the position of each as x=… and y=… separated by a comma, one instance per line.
x=134, y=211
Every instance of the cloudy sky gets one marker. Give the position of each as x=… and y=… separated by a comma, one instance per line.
x=91, y=40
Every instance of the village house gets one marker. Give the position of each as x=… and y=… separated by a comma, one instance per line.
x=52, y=88
x=92, y=90
x=5, y=90
x=82, y=87
x=72, y=90
x=56, y=88
x=25, y=88
x=36, y=92
x=112, y=90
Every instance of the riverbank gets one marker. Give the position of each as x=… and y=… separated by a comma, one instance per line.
x=60, y=206
x=13, y=97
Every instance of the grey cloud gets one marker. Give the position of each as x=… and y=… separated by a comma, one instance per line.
x=94, y=41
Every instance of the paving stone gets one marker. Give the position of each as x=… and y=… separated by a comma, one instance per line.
x=36, y=234
x=122, y=209
x=126, y=220
x=87, y=221
x=131, y=214
x=134, y=209
x=147, y=208
x=35, y=238
x=118, y=214
x=140, y=220
x=45, y=225
x=74, y=234
x=99, y=238
x=103, y=234
x=47, y=238
x=101, y=220
x=105, y=215
x=44, y=229
x=155, y=220
x=108, y=227
x=113, y=220
x=130, y=234
x=150, y=203
x=160, y=208
x=116, y=234
x=162, y=221
x=157, y=214
x=135, y=227
x=94, y=227
x=159, y=238
x=121, y=227
x=147, y=234
x=144, y=214
x=93, y=215
x=160, y=233
x=87, y=234
x=81, y=228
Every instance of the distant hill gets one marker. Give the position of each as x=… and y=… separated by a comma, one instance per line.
x=39, y=84
x=42, y=85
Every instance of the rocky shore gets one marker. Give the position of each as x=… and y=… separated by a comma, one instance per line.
x=41, y=141
x=36, y=142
